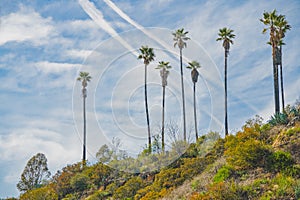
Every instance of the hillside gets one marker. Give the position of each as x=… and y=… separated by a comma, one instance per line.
x=261, y=161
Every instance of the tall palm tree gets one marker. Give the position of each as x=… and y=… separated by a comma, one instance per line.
x=147, y=55
x=269, y=19
x=282, y=27
x=84, y=78
x=226, y=35
x=194, y=65
x=164, y=72
x=180, y=38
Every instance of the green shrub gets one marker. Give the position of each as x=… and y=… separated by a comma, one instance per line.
x=293, y=131
x=297, y=191
x=222, y=190
x=79, y=182
x=253, y=191
x=99, y=195
x=279, y=161
x=283, y=186
x=279, y=119
x=45, y=193
x=195, y=184
x=129, y=189
x=247, y=154
x=223, y=174
x=74, y=196
x=61, y=180
x=293, y=171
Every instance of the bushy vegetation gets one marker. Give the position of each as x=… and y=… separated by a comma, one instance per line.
x=261, y=161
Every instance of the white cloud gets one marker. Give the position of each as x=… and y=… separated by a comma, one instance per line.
x=56, y=139
x=77, y=53
x=60, y=46
x=51, y=67
x=26, y=25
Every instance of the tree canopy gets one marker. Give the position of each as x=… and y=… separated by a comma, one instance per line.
x=35, y=172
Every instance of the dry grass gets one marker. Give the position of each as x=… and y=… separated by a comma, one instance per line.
x=199, y=183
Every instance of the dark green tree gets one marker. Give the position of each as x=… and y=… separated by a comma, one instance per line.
x=104, y=154
x=226, y=35
x=35, y=172
x=147, y=55
x=180, y=38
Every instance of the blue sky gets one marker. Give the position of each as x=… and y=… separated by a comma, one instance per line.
x=44, y=45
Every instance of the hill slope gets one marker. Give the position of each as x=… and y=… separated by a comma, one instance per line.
x=262, y=161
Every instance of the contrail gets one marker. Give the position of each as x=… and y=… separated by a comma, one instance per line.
x=136, y=25
x=98, y=18
x=150, y=35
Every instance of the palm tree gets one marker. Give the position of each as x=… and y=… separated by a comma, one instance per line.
x=180, y=38
x=194, y=65
x=282, y=27
x=84, y=78
x=269, y=19
x=164, y=72
x=226, y=35
x=147, y=55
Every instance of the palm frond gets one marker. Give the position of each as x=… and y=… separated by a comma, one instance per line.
x=147, y=54
x=179, y=37
x=163, y=64
x=226, y=35
x=193, y=65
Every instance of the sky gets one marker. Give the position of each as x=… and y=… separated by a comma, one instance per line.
x=45, y=44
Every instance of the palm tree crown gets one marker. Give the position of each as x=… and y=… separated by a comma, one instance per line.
x=147, y=54
x=163, y=66
x=282, y=27
x=194, y=65
x=226, y=35
x=269, y=19
x=180, y=38
x=84, y=77
x=277, y=24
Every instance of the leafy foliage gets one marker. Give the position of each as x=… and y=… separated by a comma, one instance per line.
x=45, y=193
x=129, y=189
x=79, y=182
x=35, y=172
x=279, y=119
x=280, y=161
x=259, y=162
x=223, y=174
x=246, y=154
x=62, y=179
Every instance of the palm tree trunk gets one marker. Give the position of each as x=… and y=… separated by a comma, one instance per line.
x=225, y=83
x=84, y=132
x=281, y=79
x=183, y=99
x=276, y=84
x=195, y=112
x=147, y=112
x=163, y=121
